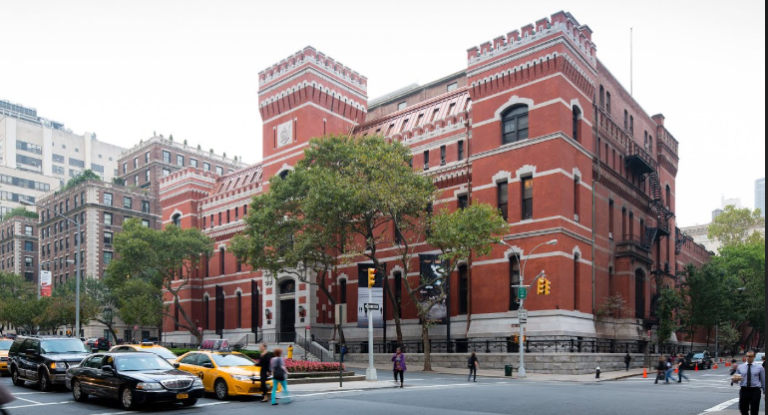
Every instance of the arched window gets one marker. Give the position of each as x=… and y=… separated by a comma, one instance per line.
x=239, y=309
x=177, y=220
x=576, y=281
x=284, y=174
x=343, y=292
x=515, y=124
x=576, y=117
x=287, y=287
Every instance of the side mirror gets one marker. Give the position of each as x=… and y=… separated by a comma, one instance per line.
x=208, y=365
x=109, y=369
x=31, y=352
x=176, y=365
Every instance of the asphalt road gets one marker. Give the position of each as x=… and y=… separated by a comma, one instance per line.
x=441, y=395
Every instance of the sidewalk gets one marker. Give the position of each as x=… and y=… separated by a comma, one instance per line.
x=323, y=388
x=538, y=377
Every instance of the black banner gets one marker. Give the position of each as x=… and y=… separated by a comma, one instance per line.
x=432, y=269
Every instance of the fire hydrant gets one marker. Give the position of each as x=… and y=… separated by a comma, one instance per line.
x=597, y=373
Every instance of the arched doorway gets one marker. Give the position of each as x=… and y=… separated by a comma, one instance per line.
x=287, y=332
x=640, y=294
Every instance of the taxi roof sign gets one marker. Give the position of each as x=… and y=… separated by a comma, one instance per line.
x=215, y=345
x=147, y=344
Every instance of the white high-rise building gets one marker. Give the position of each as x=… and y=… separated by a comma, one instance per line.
x=38, y=155
x=760, y=195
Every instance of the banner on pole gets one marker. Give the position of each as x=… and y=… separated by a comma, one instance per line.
x=46, y=287
x=431, y=269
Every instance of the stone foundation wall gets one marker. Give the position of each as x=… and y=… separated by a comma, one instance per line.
x=559, y=364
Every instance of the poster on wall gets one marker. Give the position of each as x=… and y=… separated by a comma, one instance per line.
x=362, y=298
x=432, y=267
x=45, y=284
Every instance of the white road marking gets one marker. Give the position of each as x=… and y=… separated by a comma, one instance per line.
x=721, y=407
x=30, y=393
x=30, y=401
x=210, y=404
x=326, y=393
x=41, y=404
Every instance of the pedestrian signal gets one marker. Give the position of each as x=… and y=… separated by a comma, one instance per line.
x=371, y=277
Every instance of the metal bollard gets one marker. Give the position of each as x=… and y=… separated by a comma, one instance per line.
x=597, y=373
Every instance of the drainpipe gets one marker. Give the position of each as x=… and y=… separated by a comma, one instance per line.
x=594, y=209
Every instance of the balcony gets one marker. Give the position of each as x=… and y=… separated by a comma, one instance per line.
x=635, y=247
x=639, y=161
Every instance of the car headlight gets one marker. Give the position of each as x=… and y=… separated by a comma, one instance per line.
x=241, y=378
x=198, y=383
x=149, y=386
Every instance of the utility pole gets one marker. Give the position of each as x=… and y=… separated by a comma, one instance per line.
x=370, y=374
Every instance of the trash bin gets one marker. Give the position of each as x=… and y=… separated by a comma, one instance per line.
x=508, y=371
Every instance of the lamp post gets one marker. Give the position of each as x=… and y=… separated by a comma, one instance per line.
x=77, y=265
x=521, y=372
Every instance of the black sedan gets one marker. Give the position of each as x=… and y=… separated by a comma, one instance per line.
x=699, y=360
x=133, y=379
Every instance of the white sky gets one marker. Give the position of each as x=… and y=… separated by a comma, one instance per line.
x=124, y=69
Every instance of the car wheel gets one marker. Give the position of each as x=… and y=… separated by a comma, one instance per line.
x=77, y=392
x=16, y=378
x=189, y=402
x=44, y=382
x=126, y=400
x=221, y=390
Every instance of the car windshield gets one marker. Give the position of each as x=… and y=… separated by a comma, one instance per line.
x=162, y=352
x=698, y=356
x=63, y=346
x=5, y=344
x=143, y=363
x=230, y=360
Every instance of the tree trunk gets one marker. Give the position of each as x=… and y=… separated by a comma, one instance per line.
x=427, y=347
x=395, y=308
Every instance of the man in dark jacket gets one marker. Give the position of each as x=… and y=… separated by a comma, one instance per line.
x=264, y=361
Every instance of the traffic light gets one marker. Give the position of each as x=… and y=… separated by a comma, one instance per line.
x=542, y=286
x=371, y=277
x=548, y=288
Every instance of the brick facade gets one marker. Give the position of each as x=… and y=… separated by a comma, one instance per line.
x=535, y=125
x=18, y=247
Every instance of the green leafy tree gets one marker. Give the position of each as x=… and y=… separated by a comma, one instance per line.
x=17, y=302
x=81, y=178
x=21, y=212
x=162, y=259
x=63, y=306
x=140, y=304
x=736, y=226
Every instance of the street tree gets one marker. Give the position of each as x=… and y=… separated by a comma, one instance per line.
x=140, y=303
x=62, y=308
x=17, y=302
x=737, y=226
x=164, y=260
x=614, y=314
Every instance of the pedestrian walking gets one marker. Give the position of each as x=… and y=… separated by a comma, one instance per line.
x=751, y=378
x=5, y=399
x=681, y=368
x=473, y=364
x=265, y=362
x=661, y=370
x=399, y=366
x=670, y=370
x=279, y=377
x=627, y=361
x=734, y=368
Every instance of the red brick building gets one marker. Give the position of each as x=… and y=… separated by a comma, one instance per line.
x=535, y=125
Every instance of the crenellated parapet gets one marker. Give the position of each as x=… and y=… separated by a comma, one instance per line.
x=561, y=23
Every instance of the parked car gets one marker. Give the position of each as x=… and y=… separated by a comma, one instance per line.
x=101, y=344
x=224, y=373
x=146, y=347
x=702, y=360
x=5, y=346
x=133, y=379
x=44, y=360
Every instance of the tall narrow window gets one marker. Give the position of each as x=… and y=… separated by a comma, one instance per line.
x=611, y=209
x=503, y=199
x=514, y=280
x=626, y=120
x=207, y=313
x=515, y=124
x=239, y=309
x=608, y=102
x=631, y=225
x=443, y=150
x=343, y=292
x=222, y=261
x=576, y=282
x=576, y=198
x=624, y=223
x=399, y=292
x=463, y=201
x=576, y=117
x=461, y=150
x=426, y=160
x=632, y=124
x=527, y=198
x=463, y=290
x=602, y=97
x=668, y=200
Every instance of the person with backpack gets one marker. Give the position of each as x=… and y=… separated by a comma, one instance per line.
x=279, y=377
x=473, y=364
x=681, y=366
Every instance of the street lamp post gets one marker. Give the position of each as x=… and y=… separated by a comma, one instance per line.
x=521, y=371
x=77, y=265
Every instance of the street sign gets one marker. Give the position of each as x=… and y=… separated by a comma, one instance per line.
x=523, y=321
x=523, y=314
x=522, y=292
x=372, y=307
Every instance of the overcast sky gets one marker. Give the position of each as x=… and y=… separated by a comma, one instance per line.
x=124, y=69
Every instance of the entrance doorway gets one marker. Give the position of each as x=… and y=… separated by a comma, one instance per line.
x=287, y=333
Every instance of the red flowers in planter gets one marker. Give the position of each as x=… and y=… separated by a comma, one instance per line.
x=300, y=366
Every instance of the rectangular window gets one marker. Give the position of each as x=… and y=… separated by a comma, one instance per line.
x=452, y=87
x=28, y=261
x=180, y=160
x=145, y=207
x=576, y=198
x=108, y=236
x=58, y=158
x=125, y=168
x=107, y=219
x=127, y=202
x=28, y=247
x=528, y=198
x=426, y=160
x=461, y=150
x=107, y=258
x=632, y=125
x=503, y=199
x=193, y=163
x=28, y=230
x=146, y=157
x=443, y=150
x=228, y=217
x=136, y=180
x=401, y=106
x=145, y=223
x=219, y=171
x=463, y=202
x=166, y=172
x=343, y=292
x=205, y=222
x=222, y=261
x=451, y=108
x=207, y=166
x=611, y=208
x=135, y=163
x=608, y=103
x=77, y=163
x=514, y=279
x=108, y=199
x=166, y=157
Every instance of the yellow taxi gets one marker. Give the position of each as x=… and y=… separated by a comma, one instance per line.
x=5, y=345
x=146, y=347
x=223, y=372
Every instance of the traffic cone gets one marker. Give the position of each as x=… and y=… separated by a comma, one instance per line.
x=645, y=373
x=697, y=367
x=677, y=370
x=715, y=367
